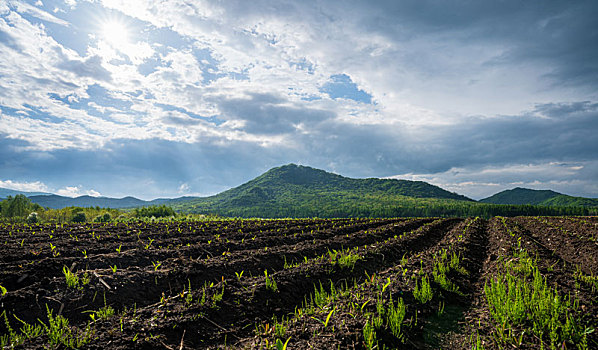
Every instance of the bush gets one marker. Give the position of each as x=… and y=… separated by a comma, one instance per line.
x=155, y=211
x=79, y=217
x=32, y=218
x=103, y=218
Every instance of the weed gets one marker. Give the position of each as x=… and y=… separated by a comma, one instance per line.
x=395, y=316
x=189, y=296
x=589, y=280
x=85, y=279
x=345, y=259
x=369, y=334
x=102, y=314
x=519, y=297
x=279, y=327
x=270, y=282
x=217, y=297
x=29, y=330
x=59, y=332
x=423, y=293
x=72, y=280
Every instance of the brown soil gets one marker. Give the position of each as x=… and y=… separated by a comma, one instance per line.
x=202, y=285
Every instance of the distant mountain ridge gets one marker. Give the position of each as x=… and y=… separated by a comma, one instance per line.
x=5, y=192
x=57, y=202
x=299, y=191
x=520, y=195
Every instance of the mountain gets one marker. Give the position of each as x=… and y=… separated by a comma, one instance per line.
x=520, y=195
x=294, y=190
x=301, y=191
x=5, y=192
x=57, y=202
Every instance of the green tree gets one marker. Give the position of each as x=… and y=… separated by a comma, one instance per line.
x=106, y=217
x=79, y=217
x=17, y=206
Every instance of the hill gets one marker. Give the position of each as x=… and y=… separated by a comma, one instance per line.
x=295, y=180
x=301, y=191
x=520, y=195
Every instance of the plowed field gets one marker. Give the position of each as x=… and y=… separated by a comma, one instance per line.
x=524, y=282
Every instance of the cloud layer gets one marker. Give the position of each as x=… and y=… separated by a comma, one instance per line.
x=202, y=96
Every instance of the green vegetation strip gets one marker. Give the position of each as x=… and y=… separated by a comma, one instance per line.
x=525, y=309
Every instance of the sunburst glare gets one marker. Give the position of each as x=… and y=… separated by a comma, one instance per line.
x=115, y=33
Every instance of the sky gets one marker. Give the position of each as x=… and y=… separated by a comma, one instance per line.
x=171, y=98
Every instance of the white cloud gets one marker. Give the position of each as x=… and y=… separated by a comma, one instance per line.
x=36, y=12
x=184, y=188
x=71, y=3
x=478, y=183
x=35, y=186
x=38, y=186
x=76, y=191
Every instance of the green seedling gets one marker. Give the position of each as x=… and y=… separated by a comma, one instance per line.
x=72, y=280
x=386, y=284
x=280, y=345
x=147, y=246
x=270, y=282
x=364, y=304
x=85, y=279
x=102, y=314
x=328, y=318
x=239, y=275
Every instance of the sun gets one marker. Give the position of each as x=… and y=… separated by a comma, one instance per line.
x=116, y=34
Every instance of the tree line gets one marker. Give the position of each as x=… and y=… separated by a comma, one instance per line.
x=21, y=209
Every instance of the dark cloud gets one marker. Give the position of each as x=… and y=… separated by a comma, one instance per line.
x=146, y=168
x=552, y=132
x=549, y=133
x=562, y=34
x=180, y=120
x=9, y=152
x=269, y=114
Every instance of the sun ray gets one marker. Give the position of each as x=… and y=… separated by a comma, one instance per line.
x=115, y=33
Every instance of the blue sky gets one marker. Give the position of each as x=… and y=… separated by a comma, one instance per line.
x=163, y=99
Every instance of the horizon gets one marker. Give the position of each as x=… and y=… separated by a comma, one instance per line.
x=285, y=165
x=115, y=99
